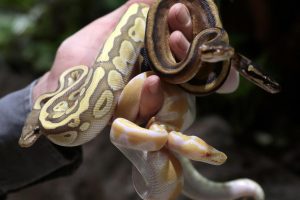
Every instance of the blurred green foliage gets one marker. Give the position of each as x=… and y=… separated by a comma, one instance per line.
x=31, y=30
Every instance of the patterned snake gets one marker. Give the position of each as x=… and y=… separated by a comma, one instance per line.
x=86, y=99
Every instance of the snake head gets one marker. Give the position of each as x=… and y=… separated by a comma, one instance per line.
x=216, y=51
x=254, y=74
x=195, y=148
x=31, y=131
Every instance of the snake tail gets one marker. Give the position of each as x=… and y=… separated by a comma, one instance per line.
x=198, y=187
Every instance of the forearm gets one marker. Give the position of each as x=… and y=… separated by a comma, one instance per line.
x=21, y=167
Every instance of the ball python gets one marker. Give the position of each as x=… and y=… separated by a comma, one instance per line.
x=86, y=97
x=161, y=153
x=209, y=58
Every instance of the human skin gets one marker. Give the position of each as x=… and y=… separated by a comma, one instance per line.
x=83, y=46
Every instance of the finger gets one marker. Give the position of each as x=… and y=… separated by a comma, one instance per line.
x=179, y=45
x=179, y=19
x=231, y=83
x=151, y=98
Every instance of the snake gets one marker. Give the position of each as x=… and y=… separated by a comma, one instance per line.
x=161, y=153
x=86, y=101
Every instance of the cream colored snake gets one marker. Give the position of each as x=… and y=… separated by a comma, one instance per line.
x=86, y=99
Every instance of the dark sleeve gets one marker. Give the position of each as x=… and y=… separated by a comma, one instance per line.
x=20, y=167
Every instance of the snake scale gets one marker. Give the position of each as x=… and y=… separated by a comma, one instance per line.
x=86, y=100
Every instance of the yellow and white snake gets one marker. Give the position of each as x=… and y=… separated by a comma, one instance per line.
x=86, y=99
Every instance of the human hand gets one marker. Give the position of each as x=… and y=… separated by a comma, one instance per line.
x=83, y=47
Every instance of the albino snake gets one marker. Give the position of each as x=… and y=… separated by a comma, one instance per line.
x=86, y=99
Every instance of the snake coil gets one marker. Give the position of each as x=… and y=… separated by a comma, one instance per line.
x=86, y=99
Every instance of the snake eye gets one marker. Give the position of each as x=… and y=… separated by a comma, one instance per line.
x=36, y=130
x=215, y=52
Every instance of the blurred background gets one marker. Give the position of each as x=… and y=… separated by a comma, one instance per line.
x=259, y=132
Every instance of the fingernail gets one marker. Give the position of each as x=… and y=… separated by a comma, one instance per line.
x=183, y=15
